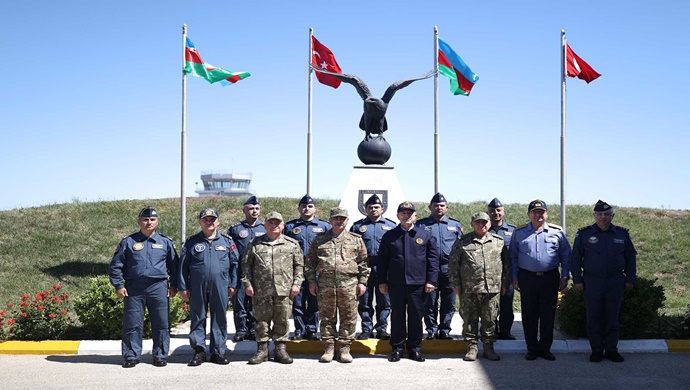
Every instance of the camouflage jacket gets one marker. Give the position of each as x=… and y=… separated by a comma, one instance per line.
x=273, y=267
x=480, y=265
x=339, y=261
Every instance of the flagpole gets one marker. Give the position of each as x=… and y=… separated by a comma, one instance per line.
x=183, y=142
x=311, y=49
x=563, y=93
x=436, y=136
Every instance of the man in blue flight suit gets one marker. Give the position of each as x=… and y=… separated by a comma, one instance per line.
x=408, y=271
x=446, y=231
x=604, y=265
x=504, y=229
x=243, y=233
x=305, y=309
x=372, y=229
x=536, y=252
x=140, y=269
x=208, y=272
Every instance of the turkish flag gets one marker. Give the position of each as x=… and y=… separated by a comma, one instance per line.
x=322, y=57
x=577, y=67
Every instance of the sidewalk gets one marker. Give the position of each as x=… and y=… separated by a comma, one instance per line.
x=179, y=344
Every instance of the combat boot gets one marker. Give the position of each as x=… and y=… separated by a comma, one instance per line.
x=261, y=354
x=344, y=348
x=281, y=355
x=472, y=352
x=328, y=352
x=489, y=352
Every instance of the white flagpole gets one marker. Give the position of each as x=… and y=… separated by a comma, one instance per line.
x=563, y=93
x=311, y=49
x=436, y=136
x=183, y=153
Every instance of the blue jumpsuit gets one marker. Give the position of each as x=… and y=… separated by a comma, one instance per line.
x=142, y=265
x=208, y=267
x=506, y=315
x=305, y=309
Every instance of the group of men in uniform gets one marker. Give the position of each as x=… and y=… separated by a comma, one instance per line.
x=414, y=271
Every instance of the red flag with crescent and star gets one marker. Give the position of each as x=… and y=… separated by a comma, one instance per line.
x=322, y=57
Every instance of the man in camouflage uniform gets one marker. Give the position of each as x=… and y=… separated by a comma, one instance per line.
x=340, y=259
x=272, y=272
x=480, y=269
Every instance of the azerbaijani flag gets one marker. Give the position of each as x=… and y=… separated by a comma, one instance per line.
x=450, y=64
x=194, y=65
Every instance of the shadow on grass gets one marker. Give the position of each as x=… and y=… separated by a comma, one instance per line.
x=76, y=269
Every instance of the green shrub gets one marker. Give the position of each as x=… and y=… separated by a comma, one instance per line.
x=639, y=310
x=101, y=311
x=685, y=325
x=44, y=316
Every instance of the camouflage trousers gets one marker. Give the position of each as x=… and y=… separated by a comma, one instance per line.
x=275, y=309
x=337, y=302
x=474, y=307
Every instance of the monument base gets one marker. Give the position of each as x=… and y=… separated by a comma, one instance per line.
x=367, y=180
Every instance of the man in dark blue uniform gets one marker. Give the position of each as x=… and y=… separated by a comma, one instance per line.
x=243, y=233
x=536, y=251
x=140, y=269
x=372, y=229
x=305, y=309
x=504, y=229
x=208, y=272
x=445, y=230
x=408, y=271
x=604, y=265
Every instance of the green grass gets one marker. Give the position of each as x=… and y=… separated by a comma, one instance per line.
x=68, y=243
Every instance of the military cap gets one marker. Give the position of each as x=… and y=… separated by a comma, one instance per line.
x=252, y=200
x=374, y=199
x=208, y=213
x=536, y=204
x=406, y=206
x=274, y=215
x=339, y=212
x=495, y=203
x=438, y=198
x=306, y=199
x=147, y=212
x=480, y=215
x=601, y=206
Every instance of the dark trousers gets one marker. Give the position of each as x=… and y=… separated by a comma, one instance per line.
x=243, y=312
x=407, y=305
x=305, y=311
x=151, y=294
x=603, y=299
x=366, y=306
x=538, y=296
x=209, y=295
x=505, y=315
x=444, y=293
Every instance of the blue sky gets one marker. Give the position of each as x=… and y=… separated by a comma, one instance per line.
x=91, y=99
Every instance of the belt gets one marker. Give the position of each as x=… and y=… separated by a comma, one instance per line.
x=538, y=273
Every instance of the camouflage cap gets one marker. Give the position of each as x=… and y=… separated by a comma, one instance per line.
x=480, y=216
x=274, y=215
x=339, y=212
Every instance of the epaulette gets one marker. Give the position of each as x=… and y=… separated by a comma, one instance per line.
x=390, y=220
x=583, y=228
x=511, y=225
x=494, y=235
x=557, y=227
x=467, y=237
x=166, y=237
x=453, y=219
x=622, y=228
x=356, y=234
x=287, y=238
x=521, y=226
x=236, y=225
x=227, y=236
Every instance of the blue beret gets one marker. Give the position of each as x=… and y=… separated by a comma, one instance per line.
x=252, y=200
x=495, y=203
x=306, y=199
x=374, y=199
x=438, y=198
x=147, y=212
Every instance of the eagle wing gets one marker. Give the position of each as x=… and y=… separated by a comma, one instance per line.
x=359, y=85
x=400, y=84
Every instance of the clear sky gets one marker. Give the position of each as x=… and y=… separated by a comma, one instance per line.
x=91, y=99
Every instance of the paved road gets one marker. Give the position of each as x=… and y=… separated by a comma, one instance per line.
x=569, y=371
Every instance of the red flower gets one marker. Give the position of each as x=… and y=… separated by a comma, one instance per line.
x=39, y=296
x=40, y=307
x=52, y=315
x=57, y=287
x=10, y=321
x=10, y=304
x=69, y=320
x=63, y=311
x=65, y=295
x=24, y=315
x=3, y=312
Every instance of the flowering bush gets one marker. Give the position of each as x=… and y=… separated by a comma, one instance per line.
x=44, y=316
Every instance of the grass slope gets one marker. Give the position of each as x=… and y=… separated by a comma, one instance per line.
x=68, y=243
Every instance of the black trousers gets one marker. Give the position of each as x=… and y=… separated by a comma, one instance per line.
x=538, y=296
x=407, y=309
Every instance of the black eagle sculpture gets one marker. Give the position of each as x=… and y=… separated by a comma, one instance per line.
x=374, y=117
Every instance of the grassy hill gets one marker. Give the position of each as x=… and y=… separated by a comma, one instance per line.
x=68, y=243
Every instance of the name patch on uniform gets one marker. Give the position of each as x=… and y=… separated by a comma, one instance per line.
x=618, y=241
x=452, y=228
x=296, y=230
x=317, y=230
x=509, y=233
x=199, y=247
x=363, y=228
x=244, y=233
x=138, y=246
x=427, y=228
x=157, y=246
x=419, y=241
x=220, y=247
x=593, y=240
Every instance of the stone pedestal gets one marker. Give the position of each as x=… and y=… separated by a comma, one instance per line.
x=367, y=180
